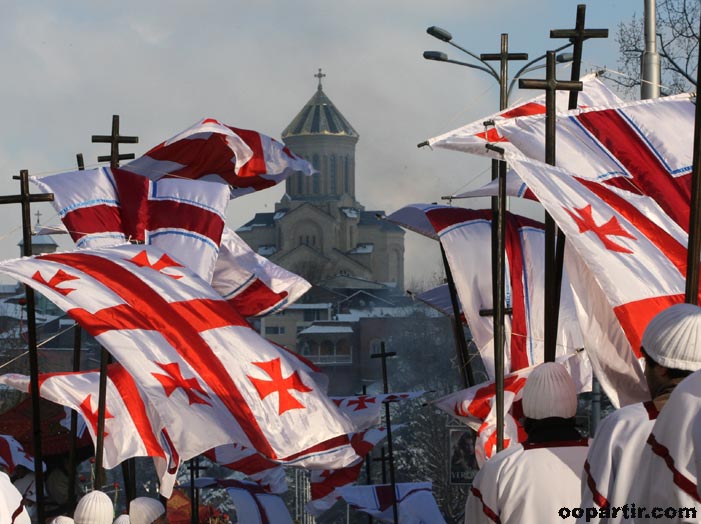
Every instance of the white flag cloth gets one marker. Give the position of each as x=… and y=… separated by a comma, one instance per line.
x=629, y=256
x=12, y=510
x=324, y=484
x=415, y=502
x=464, y=232
x=365, y=411
x=266, y=473
x=214, y=379
x=471, y=138
x=245, y=160
x=251, y=283
x=105, y=207
x=254, y=505
x=133, y=427
x=12, y=454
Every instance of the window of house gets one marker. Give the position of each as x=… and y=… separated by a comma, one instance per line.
x=274, y=330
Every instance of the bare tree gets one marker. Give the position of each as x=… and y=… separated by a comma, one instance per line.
x=677, y=41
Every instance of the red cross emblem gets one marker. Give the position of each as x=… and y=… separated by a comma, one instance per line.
x=279, y=385
x=174, y=379
x=585, y=222
x=361, y=402
x=59, y=277
x=141, y=260
x=91, y=415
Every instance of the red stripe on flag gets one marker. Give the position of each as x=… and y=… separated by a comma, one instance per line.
x=99, y=218
x=146, y=309
x=649, y=176
x=256, y=298
x=519, y=327
x=528, y=109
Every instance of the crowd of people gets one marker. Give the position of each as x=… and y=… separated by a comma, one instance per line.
x=641, y=466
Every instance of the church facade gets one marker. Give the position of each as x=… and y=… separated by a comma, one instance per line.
x=318, y=229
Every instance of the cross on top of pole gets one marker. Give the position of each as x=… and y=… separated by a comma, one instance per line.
x=577, y=36
x=319, y=76
x=114, y=139
x=503, y=57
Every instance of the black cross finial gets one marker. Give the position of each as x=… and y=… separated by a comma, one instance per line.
x=114, y=139
x=577, y=37
x=504, y=57
x=319, y=75
x=38, y=215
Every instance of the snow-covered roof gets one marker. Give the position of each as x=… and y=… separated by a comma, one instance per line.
x=396, y=312
x=320, y=305
x=363, y=248
x=266, y=251
x=350, y=212
x=316, y=329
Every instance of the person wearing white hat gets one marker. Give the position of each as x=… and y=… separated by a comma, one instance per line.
x=671, y=346
x=62, y=519
x=12, y=509
x=145, y=510
x=122, y=519
x=94, y=508
x=528, y=483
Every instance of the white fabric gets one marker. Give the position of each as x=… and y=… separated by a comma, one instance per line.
x=11, y=502
x=12, y=454
x=254, y=507
x=94, y=507
x=415, y=502
x=144, y=510
x=365, y=411
x=212, y=377
x=614, y=455
x=253, y=284
x=549, y=392
x=526, y=486
x=673, y=337
x=266, y=473
x=670, y=466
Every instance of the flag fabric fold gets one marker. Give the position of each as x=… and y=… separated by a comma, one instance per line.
x=213, y=378
x=268, y=474
x=364, y=411
x=12, y=454
x=255, y=505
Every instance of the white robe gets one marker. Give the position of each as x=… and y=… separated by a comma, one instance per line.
x=670, y=464
x=527, y=484
x=614, y=455
x=11, y=509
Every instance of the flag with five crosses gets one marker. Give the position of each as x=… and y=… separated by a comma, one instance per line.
x=214, y=379
x=364, y=411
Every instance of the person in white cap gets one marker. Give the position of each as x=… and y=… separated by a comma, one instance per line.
x=122, y=519
x=94, y=508
x=62, y=519
x=529, y=483
x=145, y=510
x=12, y=509
x=671, y=345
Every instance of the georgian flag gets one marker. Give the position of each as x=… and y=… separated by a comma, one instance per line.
x=266, y=473
x=212, y=377
x=466, y=237
x=364, y=411
x=254, y=505
x=245, y=160
x=105, y=207
x=415, y=502
x=133, y=427
x=12, y=454
x=628, y=257
x=252, y=284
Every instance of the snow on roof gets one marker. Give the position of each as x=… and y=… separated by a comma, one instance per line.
x=266, y=251
x=363, y=248
x=279, y=214
x=350, y=212
x=316, y=329
x=395, y=312
x=320, y=305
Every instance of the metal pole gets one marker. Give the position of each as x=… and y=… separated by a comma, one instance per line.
x=650, y=59
x=388, y=425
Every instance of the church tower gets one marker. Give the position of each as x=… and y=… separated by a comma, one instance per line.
x=319, y=230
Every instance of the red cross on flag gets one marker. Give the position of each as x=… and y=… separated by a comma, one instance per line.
x=133, y=428
x=629, y=259
x=245, y=160
x=159, y=319
x=12, y=454
x=268, y=474
x=365, y=411
x=462, y=233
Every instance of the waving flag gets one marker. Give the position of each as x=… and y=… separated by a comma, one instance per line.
x=415, y=502
x=439, y=299
x=266, y=473
x=324, y=484
x=464, y=232
x=245, y=160
x=254, y=505
x=12, y=454
x=133, y=428
x=252, y=284
x=213, y=378
x=364, y=411
x=629, y=257
x=104, y=207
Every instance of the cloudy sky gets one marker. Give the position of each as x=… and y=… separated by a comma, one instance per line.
x=162, y=65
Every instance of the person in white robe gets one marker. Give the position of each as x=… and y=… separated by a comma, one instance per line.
x=12, y=510
x=610, y=483
x=530, y=483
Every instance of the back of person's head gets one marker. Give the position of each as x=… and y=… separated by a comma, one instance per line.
x=673, y=338
x=122, y=519
x=94, y=508
x=62, y=519
x=145, y=510
x=549, y=392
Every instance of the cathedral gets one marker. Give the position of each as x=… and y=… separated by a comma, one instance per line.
x=319, y=230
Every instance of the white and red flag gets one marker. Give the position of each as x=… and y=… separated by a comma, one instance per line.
x=105, y=207
x=254, y=505
x=251, y=283
x=465, y=235
x=245, y=160
x=214, y=379
x=266, y=473
x=415, y=502
x=629, y=258
x=12, y=454
x=133, y=428
x=324, y=484
x=364, y=411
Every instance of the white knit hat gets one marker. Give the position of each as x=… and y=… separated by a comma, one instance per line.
x=122, y=519
x=94, y=508
x=549, y=392
x=673, y=337
x=62, y=519
x=144, y=510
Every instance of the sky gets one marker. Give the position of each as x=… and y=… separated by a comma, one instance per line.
x=162, y=65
